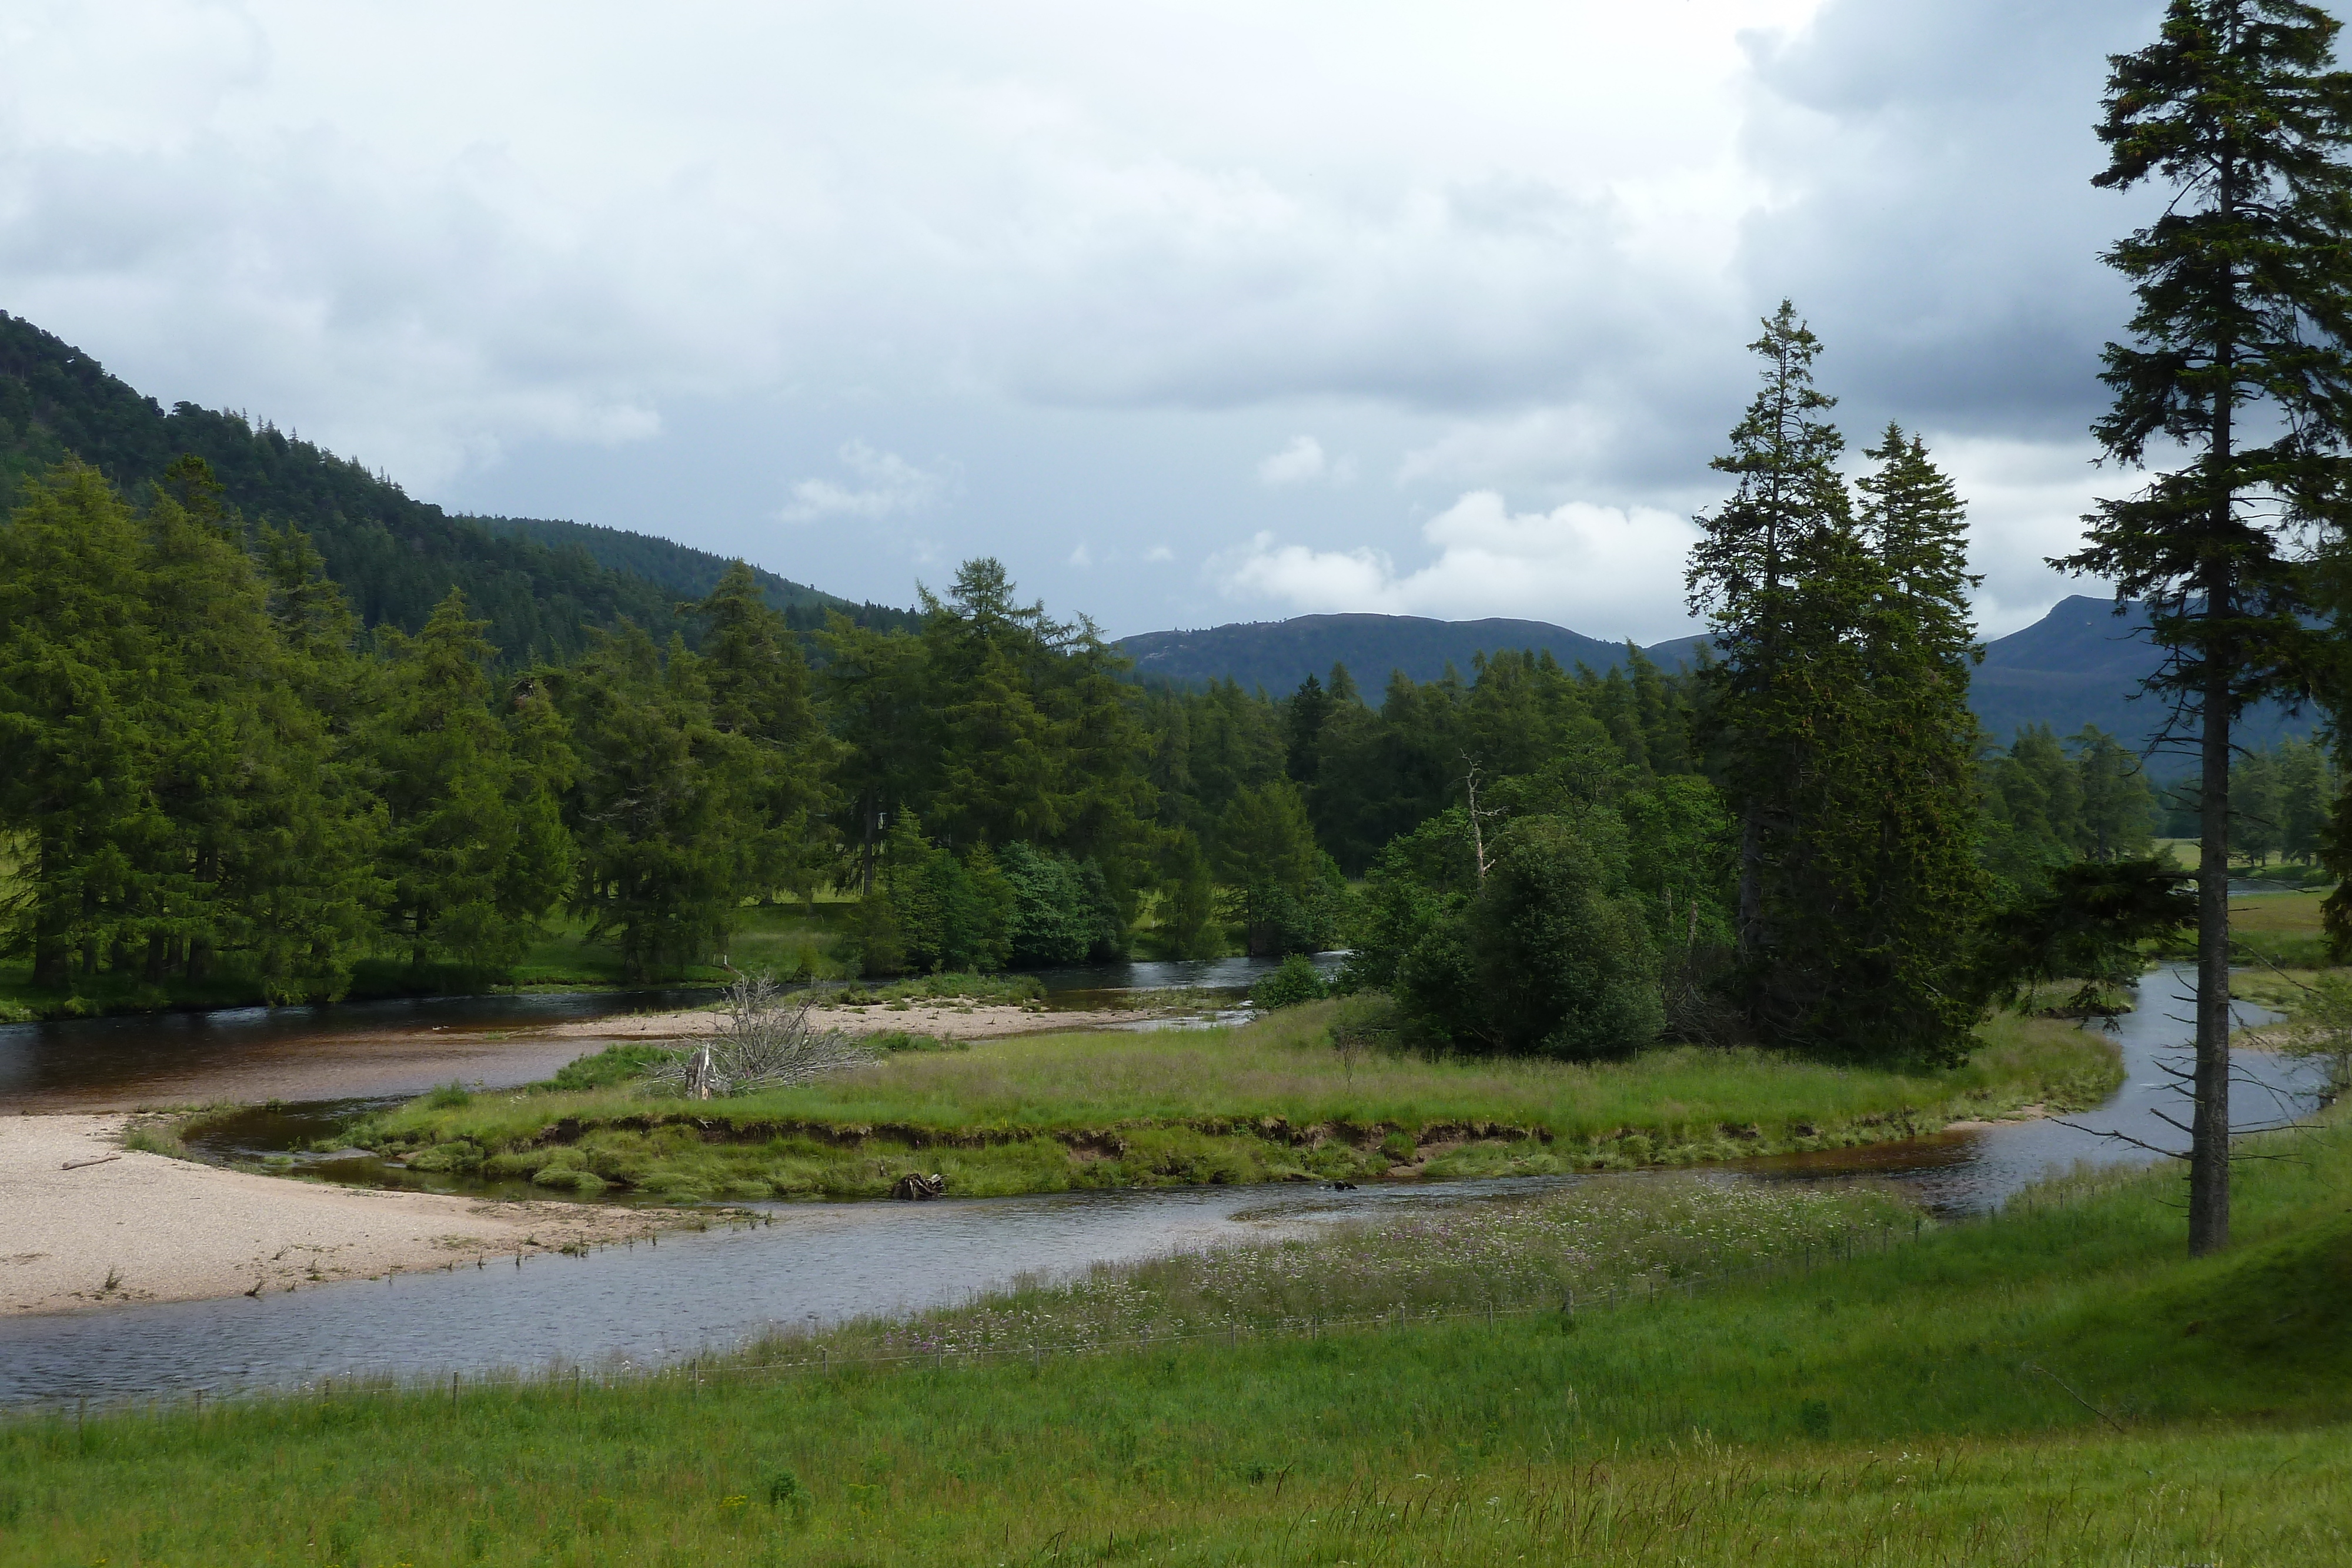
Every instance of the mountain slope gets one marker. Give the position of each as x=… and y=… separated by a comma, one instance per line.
x=2080, y=665
x=1279, y=654
x=541, y=585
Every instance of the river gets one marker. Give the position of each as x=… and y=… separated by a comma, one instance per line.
x=821, y=1263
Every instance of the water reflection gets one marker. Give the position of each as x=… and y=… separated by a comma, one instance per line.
x=342, y=1049
x=399, y=1048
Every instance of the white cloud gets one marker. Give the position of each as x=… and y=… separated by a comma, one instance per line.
x=888, y=486
x=1158, y=553
x=1302, y=459
x=1607, y=571
x=1083, y=557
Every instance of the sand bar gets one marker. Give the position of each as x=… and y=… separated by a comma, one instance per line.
x=947, y=1020
x=144, y=1227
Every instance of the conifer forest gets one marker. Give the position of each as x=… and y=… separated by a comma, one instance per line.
x=1859, y=1078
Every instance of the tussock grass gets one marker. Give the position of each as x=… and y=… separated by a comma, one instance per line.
x=1269, y=1101
x=1604, y=1241
x=2057, y=1385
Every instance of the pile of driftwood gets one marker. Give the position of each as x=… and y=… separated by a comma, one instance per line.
x=915, y=1187
x=764, y=1040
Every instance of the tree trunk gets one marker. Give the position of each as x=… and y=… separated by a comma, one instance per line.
x=1752, y=887
x=2209, y=1126
x=2209, y=1140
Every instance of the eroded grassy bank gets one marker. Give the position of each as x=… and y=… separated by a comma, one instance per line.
x=1267, y=1102
x=2057, y=1385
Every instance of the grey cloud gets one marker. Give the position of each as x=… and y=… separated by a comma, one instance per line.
x=1942, y=232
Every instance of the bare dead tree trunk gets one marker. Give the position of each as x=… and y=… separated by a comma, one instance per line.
x=1477, y=829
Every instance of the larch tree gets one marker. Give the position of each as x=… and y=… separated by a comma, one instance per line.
x=2237, y=379
x=473, y=846
x=759, y=690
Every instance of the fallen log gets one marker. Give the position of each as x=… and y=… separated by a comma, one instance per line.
x=915, y=1188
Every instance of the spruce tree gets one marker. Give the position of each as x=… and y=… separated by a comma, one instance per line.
x=2238, y=356
x=1745, y=574
x=1838, y=718
x=1923, y=887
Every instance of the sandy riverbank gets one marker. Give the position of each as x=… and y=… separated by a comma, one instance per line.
x=144, y=1228
x=949, y=1021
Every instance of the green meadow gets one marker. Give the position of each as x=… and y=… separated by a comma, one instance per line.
x=2056, y=1386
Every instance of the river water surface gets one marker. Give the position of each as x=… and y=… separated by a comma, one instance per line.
x=816, y=1263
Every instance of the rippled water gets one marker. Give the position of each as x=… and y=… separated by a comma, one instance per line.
x=820, y=1263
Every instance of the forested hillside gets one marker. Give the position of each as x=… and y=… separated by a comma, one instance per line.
x=1279, y=654
x=687, y=572
x=232, y=763
x=541, y=585
x=2079, y=665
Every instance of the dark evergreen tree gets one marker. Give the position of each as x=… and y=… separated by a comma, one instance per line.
x=1909, y=972
x=473, y=843
x=759, y=690
x=2118, y=810
x=663, y=800
x=75, y=722
x=1285, y=892
x=2238, y=355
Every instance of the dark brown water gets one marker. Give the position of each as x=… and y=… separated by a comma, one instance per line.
x=354, y=1050
x=820, y=1263
x=341, y=1051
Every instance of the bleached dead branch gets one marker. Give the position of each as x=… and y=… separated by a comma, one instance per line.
x=766, y=1042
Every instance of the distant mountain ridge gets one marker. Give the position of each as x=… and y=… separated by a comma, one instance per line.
x=2079, y=665
x=1279, y=654
x=540, y=583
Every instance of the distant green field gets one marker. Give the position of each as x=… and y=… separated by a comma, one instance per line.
x=2057, y=1386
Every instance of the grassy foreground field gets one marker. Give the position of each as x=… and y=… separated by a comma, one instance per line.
x=1267, y=1102
x=2056, y=1386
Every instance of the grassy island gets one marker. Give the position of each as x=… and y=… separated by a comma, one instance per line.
x=1270, y=1101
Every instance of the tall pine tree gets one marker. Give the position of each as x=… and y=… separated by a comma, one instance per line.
x=2238, y=359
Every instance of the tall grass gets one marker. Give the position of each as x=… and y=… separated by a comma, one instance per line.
x=2058, y=1385
x=1265, y=1102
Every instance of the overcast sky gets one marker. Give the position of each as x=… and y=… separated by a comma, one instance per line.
x=1191, y=313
